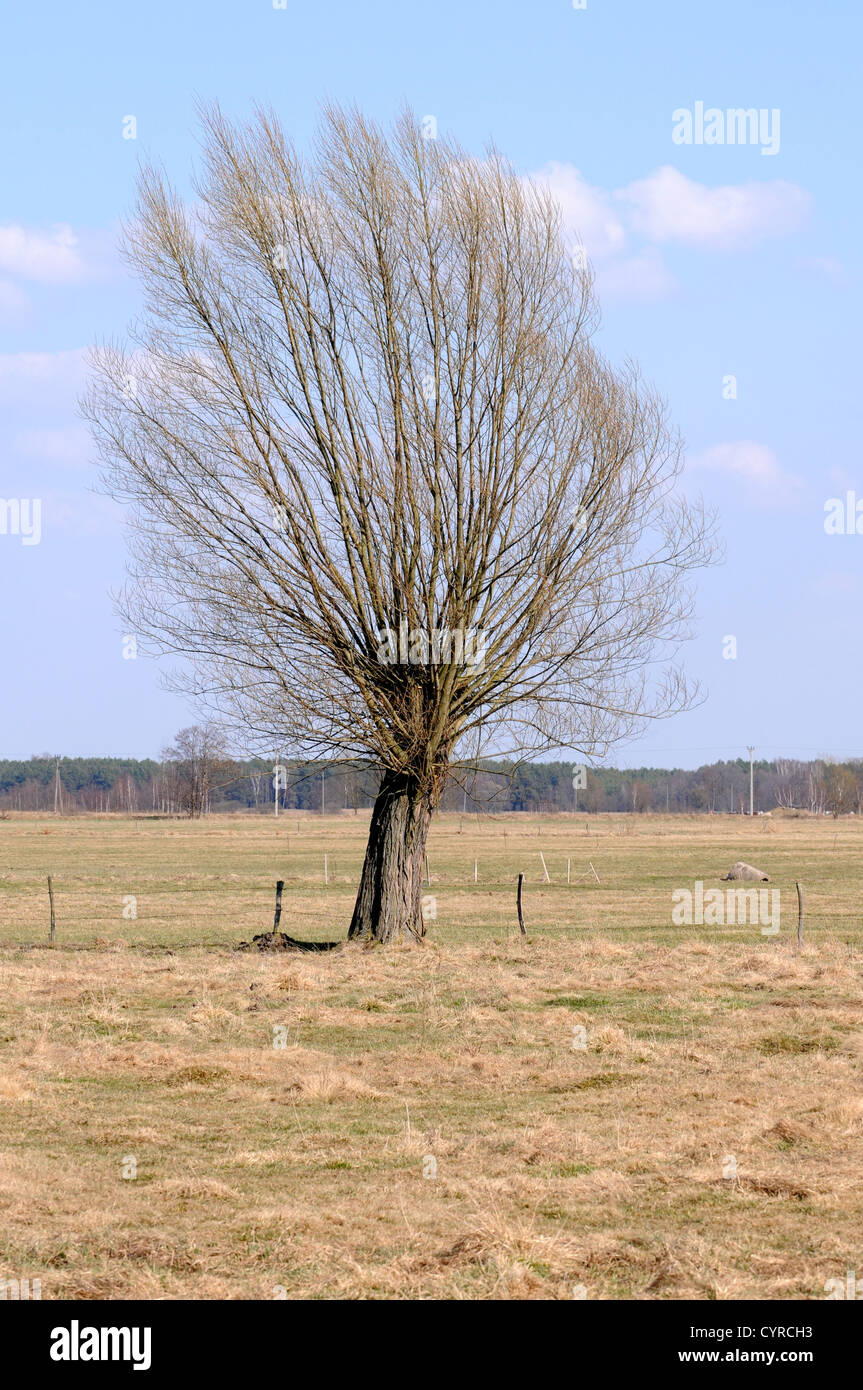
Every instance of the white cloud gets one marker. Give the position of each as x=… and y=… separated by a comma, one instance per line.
x=588, y=213
x=59, y=255
x=47, y=380
x=668, y=207
x=591, y=221
x=53, y=257
x=754, y=466
x=622, y=229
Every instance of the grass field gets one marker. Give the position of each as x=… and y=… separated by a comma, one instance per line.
x=613, y=1107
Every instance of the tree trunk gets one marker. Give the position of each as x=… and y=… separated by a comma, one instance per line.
x=388, y=903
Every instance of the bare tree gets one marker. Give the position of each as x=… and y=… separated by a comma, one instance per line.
x=194, y=759
x=841, y=792
x=790, y=785
x=817, y=787
x=387, y=499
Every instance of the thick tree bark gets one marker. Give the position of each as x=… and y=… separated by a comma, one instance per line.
x=388, y=903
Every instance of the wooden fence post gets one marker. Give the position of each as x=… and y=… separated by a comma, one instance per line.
x=51, y=900
x=799, y=915
x=278, y=917
x=518, y=900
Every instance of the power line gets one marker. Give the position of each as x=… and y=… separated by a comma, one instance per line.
x=730, y=748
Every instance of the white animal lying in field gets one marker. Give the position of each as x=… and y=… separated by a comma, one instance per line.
x=744, y=871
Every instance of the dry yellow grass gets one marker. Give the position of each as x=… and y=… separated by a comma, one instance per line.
x=417, y=1123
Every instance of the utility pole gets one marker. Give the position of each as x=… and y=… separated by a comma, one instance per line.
x=323, y=796
x=751, y=783
x=280, y=780
x=56, y=786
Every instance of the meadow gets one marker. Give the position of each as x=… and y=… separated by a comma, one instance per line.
x=610, y=1107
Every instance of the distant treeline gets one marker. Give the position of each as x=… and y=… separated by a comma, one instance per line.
x=204, y=782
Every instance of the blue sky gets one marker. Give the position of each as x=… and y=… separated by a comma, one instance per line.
x=712, y=260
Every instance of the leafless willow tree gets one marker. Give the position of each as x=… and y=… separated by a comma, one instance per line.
x=387, y=499
x=192, y=764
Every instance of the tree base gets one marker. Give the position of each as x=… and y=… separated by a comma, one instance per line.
x=389, y=900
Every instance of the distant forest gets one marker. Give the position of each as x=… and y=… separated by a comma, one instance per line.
x=195, y=780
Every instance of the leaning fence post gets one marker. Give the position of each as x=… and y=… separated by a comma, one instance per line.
x=51, y=899
x=799, y=914
x=518, y=900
